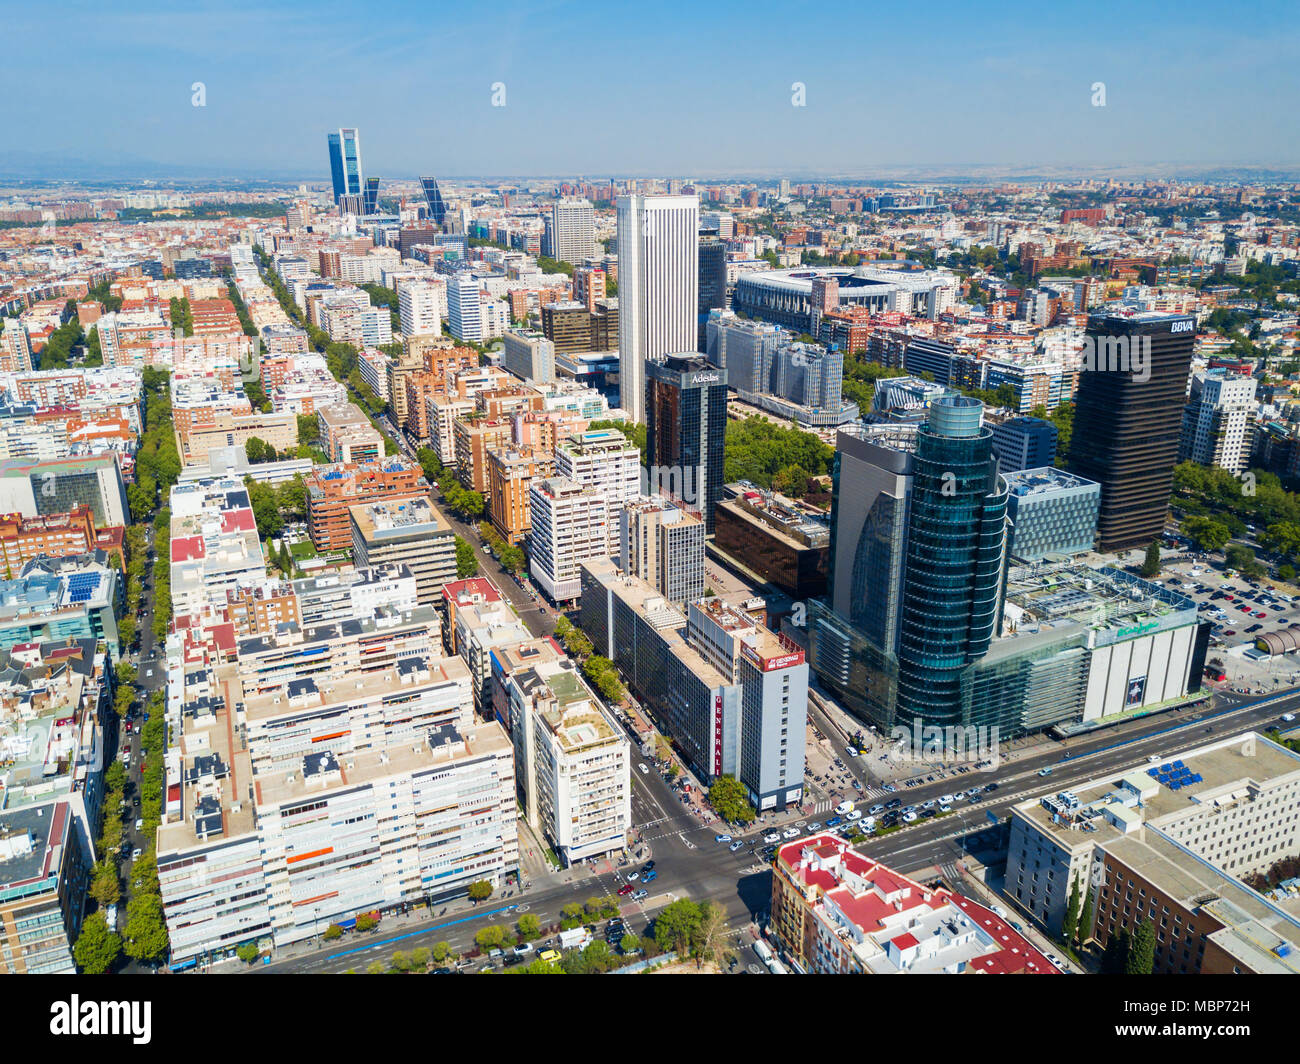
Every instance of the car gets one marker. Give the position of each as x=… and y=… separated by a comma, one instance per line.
x=649, y=866
x=772, y=837
x=944, y=808
x=1230, y=631
x=908, y=817
x=834, y=821
x=893, y=803
x=128, y=727
x=736, y=846
x=946, y=799
x=990, y=788
x=625, y=889
x=135, y=854
x=139, y=824
x=1287, y=718
x=641, y=895
x=853, y=814
x=645, y=769
x=852, y=751
x=632, y=877
x=721, y=838
x=1260, y=615
x=648, y=877
x=876, y=809
x=790, y=833
x=523, y=949
x=1045, y=771
x=1254, y=628
x=1152, y=759
x=813, y=828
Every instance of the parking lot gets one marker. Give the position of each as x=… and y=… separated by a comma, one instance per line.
x=1241, y=610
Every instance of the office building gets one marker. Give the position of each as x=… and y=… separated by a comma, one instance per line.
x=1050, y=511
x=567, y=325
x=685, y=413
x=733, y=696
x=1171, y=845
x=437, y=209
x=658, y=263
x=835, y=911
x=78, y=596
x=370, y=197
x=1219, y=421
x=510, y=476
x=745, y=349
x=38, y=489
x=409, y=532
x=347, y=434
x=345, y=163
x=570, y=523
x=529, y=355
x=1130, y=404
x=572, y=763
x=662, y=543
x=713, y=282
x=1024, y=443
x=769, y=536
x=353, y=594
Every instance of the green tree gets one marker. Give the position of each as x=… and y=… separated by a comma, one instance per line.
x=145, y=936
x=1141, y=956
x=529, y=927
x=730, y=801
x=366, y=922
x=441, y=951
x=248, y=952
x=1151, y=563
x=480, y=890
x=1070, y=926
x=104, y=885
x=491, y=937
x=629, y=943
x=97, y=947
x=332, y=932
x=1085, y=919
x=1207, y=533
x=466, y=562
x=677, y=926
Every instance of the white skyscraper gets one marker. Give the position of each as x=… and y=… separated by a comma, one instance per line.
x=419, y=306
x=573, y=230
x=658, y=286
x=464, y=309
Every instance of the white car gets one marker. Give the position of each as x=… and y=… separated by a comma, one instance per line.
x=945, y=808
x=852, y=751
x=645, y=769
x=790, y=833
x=1288, y=717
x=946, y=799
x=908, y=817
x=632, y=877
x=772, y=837
x=139, y=825
x=721, y=838
x=853, y=814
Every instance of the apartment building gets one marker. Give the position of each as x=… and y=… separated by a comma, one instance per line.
x=511, y=473
x=475, y=435
x=333, y=489
x=355, y=594
x=347, y=435
x=570, y=523
x=573, y=764
x=662, y=543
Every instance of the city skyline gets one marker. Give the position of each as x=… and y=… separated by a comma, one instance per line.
x=984, y=80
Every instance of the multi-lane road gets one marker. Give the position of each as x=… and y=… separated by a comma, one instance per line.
x=690, y=864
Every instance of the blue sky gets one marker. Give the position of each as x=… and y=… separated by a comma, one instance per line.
x=681, y=88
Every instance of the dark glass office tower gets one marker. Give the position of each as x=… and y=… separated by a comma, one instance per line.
x=1128, y=417
x=437, y=209
x=345, y=163
x=372, y=195
x=953, y=569
x=713, y=280
x=686, y=426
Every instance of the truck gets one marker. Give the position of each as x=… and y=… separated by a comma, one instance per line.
x=577, y=938
x=764, y=951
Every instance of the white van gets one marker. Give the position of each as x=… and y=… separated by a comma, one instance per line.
x=843, y=808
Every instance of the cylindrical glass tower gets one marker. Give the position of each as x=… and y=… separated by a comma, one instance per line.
x=952, y=581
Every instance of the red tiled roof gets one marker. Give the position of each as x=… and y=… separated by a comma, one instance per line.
x=905, y=941
x=187, y=548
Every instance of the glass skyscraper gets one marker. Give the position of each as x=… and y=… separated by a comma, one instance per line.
x=345, y=163
x=951, y=602
x=686, y=428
